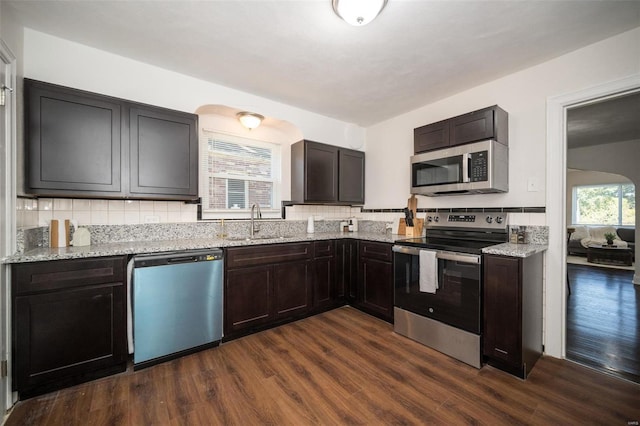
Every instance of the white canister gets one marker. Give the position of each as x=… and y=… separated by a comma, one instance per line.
x=310, y=229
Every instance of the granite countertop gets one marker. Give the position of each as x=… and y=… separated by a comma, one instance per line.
x=515, y=250
x=141, y=247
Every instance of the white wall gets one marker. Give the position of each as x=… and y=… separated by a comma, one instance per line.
x=63, y=62
x=523, y=95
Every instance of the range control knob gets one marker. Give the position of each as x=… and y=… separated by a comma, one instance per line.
x=499, y=219
x=429, y=219
x=489, y=219
x=437, y=219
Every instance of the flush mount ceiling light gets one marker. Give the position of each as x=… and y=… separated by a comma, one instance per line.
x=358, y=12
x=250, y=120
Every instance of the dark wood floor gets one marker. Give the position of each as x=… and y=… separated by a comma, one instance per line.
x=341, y=367
x=603, y=320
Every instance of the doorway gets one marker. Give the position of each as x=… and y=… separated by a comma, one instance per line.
x=556, y=289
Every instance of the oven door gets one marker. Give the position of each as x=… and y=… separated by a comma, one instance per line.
x=456, y=302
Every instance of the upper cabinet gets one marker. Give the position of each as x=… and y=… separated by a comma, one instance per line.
x=163, y=153
x=73, y=141
x=326, y=174
x=487, y=123
x=82, y=144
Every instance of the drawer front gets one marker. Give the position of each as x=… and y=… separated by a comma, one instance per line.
x=373, y=250
x=266, y=255
x=324, y=248
x=61, y=274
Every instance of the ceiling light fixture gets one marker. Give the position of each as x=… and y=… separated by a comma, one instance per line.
x=358, y=12
x=250, y=120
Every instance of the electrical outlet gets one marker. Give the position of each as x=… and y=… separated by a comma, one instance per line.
x=151, y=219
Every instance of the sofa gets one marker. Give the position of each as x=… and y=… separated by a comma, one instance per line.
x=583, y=236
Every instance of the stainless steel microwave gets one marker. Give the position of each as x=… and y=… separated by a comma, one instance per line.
x=476, y=168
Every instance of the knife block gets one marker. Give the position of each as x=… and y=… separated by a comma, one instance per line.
x=411, y=231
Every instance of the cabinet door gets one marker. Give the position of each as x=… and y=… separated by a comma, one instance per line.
x=351, y=176
x=375, y=289
x=73, y=141
x=503, y=309
x=375, y=279
x=247, y=298
x=163, y=154
x=472, y=127
x=321, y=173
x=430, y=137
x=346, y=270
x=324, y=274
x=292, y=293
x=67, y=333
x=69, y=322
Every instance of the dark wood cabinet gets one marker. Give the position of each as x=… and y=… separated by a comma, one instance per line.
x=326, y=174
x=487, y=123
x=266, y=285
x=163, y=156
x=350, y=176
x=324, y=275
x=513, y=312
x=82, y=144
x=347, y=270
x=292, y=289
x=430, y=137
x=73, y=141
x=247, y=298
x=375, y=279
x=69, y=322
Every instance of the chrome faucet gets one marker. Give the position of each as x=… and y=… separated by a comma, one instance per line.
x=254, y=228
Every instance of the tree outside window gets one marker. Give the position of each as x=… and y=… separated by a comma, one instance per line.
x=604, y=205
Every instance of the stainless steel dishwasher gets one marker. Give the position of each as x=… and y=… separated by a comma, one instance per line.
x=176, y=304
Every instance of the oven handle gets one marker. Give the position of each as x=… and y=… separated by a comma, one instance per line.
x=445, y=255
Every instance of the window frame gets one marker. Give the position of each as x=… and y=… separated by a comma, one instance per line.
x=574, y=203
x=204, y=175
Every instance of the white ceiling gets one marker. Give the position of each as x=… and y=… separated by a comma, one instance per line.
x=607, y=121
x=300, y=53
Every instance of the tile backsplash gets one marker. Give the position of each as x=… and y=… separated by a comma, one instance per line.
x=39, y=212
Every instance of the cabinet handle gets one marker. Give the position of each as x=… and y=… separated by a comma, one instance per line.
x=97, y=297
x=501, y=351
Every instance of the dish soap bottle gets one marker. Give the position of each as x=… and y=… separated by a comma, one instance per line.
x=310, y=225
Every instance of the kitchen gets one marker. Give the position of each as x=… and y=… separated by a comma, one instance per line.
x=57, y=60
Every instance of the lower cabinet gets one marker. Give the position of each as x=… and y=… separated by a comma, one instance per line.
x=266, y=285
x=324, y=275
x=69, y=322
x=347, y=270
x=513, y=312
x=375, y=280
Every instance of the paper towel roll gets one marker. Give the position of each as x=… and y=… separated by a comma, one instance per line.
x=59, y=231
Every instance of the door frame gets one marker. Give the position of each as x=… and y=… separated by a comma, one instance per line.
x=556, y=256
x=8, y=141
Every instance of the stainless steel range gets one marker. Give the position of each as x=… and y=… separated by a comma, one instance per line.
x=438, y=282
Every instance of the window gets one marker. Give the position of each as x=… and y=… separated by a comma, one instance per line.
x=604, y=205
x=236, y=173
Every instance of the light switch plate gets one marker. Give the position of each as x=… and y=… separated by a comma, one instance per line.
x=533, y=184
